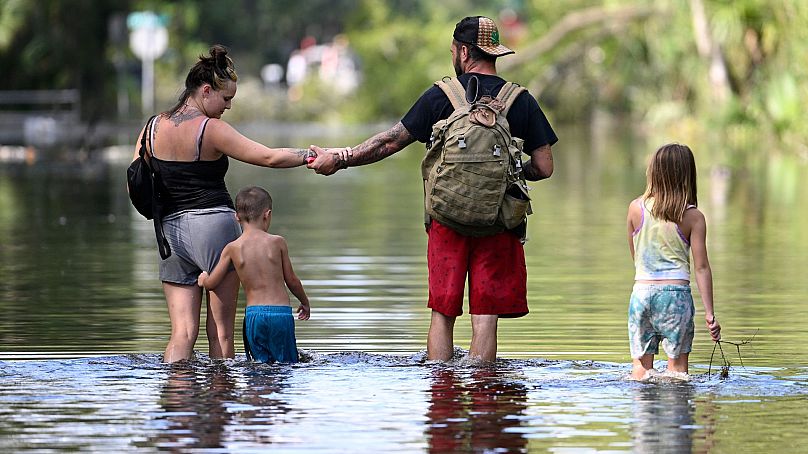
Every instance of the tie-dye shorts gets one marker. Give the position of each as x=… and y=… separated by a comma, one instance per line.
x=660, y=313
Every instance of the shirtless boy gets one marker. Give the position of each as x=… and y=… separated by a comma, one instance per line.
x=265, y=271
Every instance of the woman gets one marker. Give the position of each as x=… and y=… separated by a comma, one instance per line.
x=190, y=146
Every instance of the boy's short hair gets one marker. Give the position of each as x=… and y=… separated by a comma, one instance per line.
x=252, y=202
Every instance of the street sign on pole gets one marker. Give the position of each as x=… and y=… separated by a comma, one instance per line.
x=148, y=39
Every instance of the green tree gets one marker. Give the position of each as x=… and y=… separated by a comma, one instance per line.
x=685, y=68
x=53, y=44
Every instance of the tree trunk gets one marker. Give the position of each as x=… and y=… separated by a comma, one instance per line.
x=710, y=51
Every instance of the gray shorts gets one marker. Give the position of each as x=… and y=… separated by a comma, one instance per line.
x=197, y=238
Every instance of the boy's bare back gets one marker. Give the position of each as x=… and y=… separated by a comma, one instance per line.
x=261, y=259
x=262, y=263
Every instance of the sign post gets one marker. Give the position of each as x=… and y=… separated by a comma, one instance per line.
x=148, y=39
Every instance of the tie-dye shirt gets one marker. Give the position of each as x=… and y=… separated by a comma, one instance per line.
x=661, y=251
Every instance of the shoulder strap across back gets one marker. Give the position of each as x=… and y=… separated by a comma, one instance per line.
x=454, y=91
x=457, y=93
x=146, y=137
x=199, y=134
x=508, y=94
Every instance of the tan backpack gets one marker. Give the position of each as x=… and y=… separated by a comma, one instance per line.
x=472, y=171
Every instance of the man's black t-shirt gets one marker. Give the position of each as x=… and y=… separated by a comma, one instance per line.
x=525, y=118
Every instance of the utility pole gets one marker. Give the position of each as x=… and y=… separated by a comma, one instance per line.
x=148, y=39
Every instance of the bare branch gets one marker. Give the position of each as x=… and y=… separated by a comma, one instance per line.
x=726, y=365
x=572, y=22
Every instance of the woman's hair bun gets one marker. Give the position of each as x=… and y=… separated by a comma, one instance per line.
x=223, y=68
x=219, y=55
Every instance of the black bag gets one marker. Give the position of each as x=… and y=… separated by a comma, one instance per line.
x=142, y=181
x=139, y=179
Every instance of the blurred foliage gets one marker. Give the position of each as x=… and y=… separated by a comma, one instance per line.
x=633, y=58
x=60, y=44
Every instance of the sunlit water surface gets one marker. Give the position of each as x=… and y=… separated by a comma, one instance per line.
x=83, y=321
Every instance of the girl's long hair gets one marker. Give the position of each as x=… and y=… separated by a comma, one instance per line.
x=671, y=177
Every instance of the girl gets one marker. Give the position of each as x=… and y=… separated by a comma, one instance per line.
x=664, y=225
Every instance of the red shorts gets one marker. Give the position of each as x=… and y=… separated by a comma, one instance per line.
x=496, y=271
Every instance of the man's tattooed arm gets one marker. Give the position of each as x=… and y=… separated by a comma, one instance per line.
x=374, y=149
x=540, y=165
x=380, y=146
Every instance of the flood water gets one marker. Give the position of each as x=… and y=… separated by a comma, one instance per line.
x=83, y=321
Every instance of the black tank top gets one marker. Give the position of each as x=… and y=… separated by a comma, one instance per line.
x=190, y=185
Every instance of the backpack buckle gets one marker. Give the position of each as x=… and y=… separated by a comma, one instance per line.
x=497, y=150
x=461, y=142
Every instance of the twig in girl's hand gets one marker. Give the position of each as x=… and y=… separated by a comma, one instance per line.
x=725, y=367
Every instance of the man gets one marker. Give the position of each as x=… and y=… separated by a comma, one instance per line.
x=495, y=264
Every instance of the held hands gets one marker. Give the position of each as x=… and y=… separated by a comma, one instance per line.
x=329, y=160
x=714, y=327
x=303, y=311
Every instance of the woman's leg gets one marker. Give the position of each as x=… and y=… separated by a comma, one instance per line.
x=184, y=304
x=221, y=321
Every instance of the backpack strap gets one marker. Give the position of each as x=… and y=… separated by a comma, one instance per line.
x=508, y=94
x=454, y=91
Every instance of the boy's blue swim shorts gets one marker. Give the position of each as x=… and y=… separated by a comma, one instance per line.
x=269, y=334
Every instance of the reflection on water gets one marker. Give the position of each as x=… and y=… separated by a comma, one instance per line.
x=262, y=404
x=663, y=418
x=357, y=402
x=194, y=407
x=475, y=411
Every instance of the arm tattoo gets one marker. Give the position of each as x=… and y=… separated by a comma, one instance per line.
x=534, y=173
x=339, y=163
x=530, y=173
x=381, y=145
x=301, y=153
